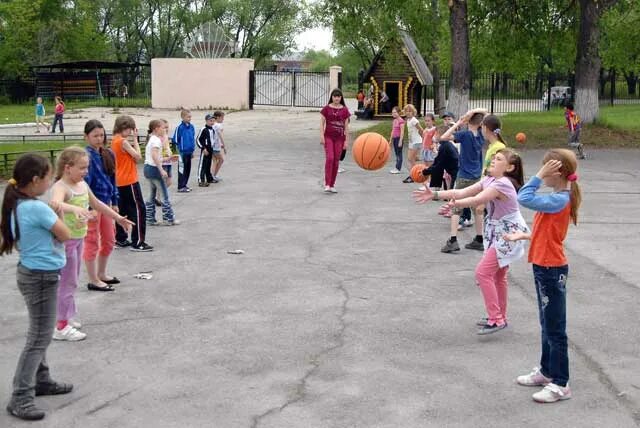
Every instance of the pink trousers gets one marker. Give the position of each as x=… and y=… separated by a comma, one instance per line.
x=100, y=238
x=333, y=150
x=492, y=280
x=69, y=275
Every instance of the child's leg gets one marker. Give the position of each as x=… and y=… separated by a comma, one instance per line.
x=167, y=210
x=503, y=290
x=551, y=287
x=39, y=293
x=139, y=230
x=485, y=275
x=69, y=282
x=337, y=151
x=397, y=148
x=91, y=243
x=201, y=176
x=61, y=124
x=329, y=153
x=218, y=160
x=150, y=204
x=125, y=202
x=107, y=240
x=207, y=168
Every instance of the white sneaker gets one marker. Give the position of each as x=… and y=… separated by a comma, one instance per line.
x=422, y=188
x=535, y=378
x=394, y=171
x=171, y=223
x=333, y=190
x=69, y=334
x=327, y=189
x=341, y=170
x=75, y=324
x=552, y=393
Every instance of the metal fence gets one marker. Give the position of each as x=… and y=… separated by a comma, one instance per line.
x=508, y=93
x=288, y=88
x=110, y=89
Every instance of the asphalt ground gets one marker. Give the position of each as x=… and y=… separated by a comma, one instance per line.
x=342, y=312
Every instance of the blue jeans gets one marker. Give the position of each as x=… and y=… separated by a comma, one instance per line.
x=156, y=182
x=57, y=119
x=397, y=148
x=552, y=307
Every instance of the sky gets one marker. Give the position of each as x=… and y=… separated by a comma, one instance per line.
x=315, y=38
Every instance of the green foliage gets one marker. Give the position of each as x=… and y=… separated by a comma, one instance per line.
x=620, y=37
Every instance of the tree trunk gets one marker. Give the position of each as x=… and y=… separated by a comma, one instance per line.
x=632, y=80
x=460, y=59
x=588, y=59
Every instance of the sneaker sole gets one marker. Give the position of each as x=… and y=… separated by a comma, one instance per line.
x=140, y=250
x=566, y=397
x=484, y=333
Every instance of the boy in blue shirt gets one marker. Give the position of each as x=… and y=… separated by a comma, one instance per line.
x=40, y=115
x=184, y=137
x=469, y=173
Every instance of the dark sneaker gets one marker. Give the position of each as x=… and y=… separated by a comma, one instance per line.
x=203, y=184
x=53, y=388
x=27, y=411
x=184, y=190
x=491, y=328
x=157, y=202
x=475, y=245
x=450, y=247
x=408, y=180
x=123, y=244
x=142, y=248
x=153, y=222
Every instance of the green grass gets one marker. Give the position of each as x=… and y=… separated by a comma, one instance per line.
x=22, y=113
x=616, y=127
x=33, y=147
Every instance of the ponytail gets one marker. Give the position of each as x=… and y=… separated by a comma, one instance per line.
x=576, y=200
x=568, y=171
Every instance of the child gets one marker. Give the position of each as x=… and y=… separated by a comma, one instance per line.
x=469, y=173
x=59, y=114
x=205, y=143
x=218, y=144
x=414, y=131
x=71, y=196
x=37, y=232
x=167, y=157
x=446, y=161
x=334, y=136
x=40, y=115
x=397, y=135
x=448, y=119
x=100, y=239
x=428, y=154
x=554, y=212
x=574, y=125
x=184, y=137
x=157, y=175
x=499, y=192
x=493, y=134
x=130, y=203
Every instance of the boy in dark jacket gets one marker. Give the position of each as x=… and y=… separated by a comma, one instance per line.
x=205, y=143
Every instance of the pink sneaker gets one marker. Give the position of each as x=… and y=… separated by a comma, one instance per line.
x=552, y=393
x=535, y=378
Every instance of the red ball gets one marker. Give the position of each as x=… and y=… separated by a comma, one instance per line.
x=521, y=137
x=371, y=151
x=416, y=173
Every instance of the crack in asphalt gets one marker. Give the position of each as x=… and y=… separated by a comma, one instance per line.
x=337, y=338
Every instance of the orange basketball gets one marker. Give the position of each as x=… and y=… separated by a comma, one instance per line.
x=371, y=151
x=521, y=137
x=416, y=173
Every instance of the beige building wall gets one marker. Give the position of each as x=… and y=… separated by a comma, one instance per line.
x=200, y=83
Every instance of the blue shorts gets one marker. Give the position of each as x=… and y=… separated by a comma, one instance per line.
x=427, y=155
x=168, y=169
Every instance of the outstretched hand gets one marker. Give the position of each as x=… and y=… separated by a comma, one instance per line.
x=515, y=236
x=423, y=196
x=125, y=223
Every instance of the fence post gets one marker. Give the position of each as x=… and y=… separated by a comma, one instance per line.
x=493, y=89
x=52, y=156
x=6, y=163
x=613, y=86
x=252, y=88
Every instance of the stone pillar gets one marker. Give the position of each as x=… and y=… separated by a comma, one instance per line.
x=333, y=76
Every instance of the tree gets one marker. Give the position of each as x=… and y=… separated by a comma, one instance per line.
x=460, y=58
x=588, y=58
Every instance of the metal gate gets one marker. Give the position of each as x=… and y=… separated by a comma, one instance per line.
x=289, y=88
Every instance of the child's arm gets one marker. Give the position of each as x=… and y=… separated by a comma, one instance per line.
x=221, y=136
x=346, y=134
x=323, y=124
x=134, y=150
x=102, y=208
x=487, y=195
x=60, y=231
x=422, y=196
x=549, y=203
x=58, y=204
x=401, y=134
x=419, y=128
x=517, y=236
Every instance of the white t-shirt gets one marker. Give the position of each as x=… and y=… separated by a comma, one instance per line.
x=153, y=142
x=216, y=145
x=412, y=128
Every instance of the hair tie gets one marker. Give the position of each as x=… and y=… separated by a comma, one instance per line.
x=572, y=177
x=12, y=181
x=497, y=131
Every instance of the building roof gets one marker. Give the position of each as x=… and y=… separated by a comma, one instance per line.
x=418, y=63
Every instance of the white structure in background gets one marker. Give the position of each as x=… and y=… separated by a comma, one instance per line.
x=209, y=41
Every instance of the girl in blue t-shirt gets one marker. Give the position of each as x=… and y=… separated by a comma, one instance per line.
x=33, y=228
